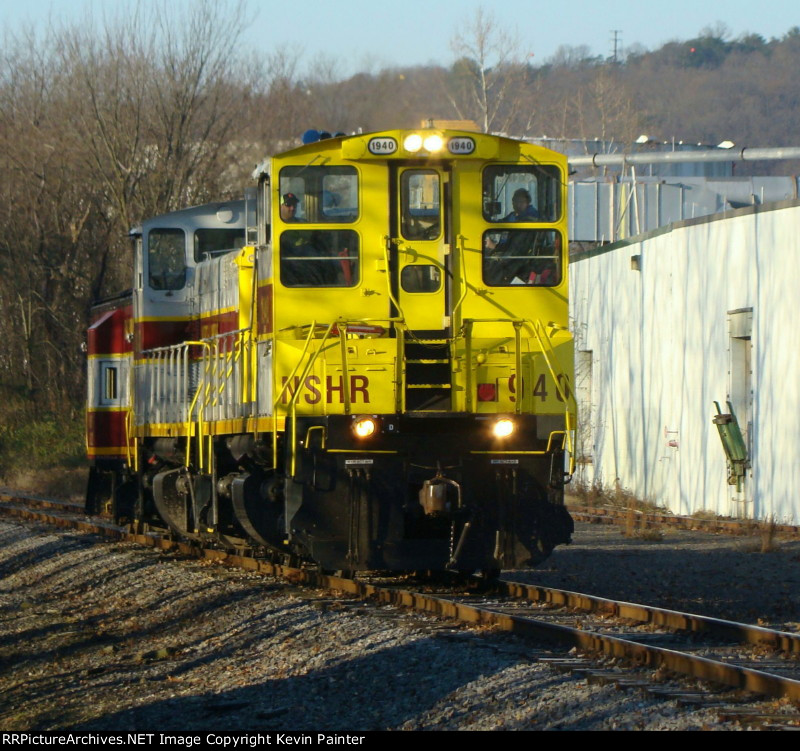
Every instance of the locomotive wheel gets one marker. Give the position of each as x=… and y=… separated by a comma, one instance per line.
x=173, y=507
x=257, y=507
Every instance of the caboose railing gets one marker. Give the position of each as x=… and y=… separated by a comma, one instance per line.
x=176, y=387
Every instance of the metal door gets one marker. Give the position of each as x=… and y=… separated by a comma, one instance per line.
x=420, y=244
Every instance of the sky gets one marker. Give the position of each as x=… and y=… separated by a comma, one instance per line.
x=369, y=34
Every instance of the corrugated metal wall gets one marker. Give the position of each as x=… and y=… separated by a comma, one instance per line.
x=672, y=321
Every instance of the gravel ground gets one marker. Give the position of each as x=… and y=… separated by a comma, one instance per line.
x=102, y=636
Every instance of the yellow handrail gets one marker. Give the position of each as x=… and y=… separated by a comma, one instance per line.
x=192, y=405
x=293, y=400
x=566, y=396
x=283, y=390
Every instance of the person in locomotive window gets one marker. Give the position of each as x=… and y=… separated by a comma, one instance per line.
x=307, y=260
x=521, y=256
x=289, y=206
x=522, y=210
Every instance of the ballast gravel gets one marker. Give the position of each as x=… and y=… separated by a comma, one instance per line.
x=100, y=636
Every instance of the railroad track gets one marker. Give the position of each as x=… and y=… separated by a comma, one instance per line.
x=603, y=632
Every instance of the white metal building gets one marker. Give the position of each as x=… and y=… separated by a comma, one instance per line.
x=671, y=321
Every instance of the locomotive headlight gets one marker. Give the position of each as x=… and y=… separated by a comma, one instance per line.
x=503, y=428
x=364, y=427
x=433, y=144
x=413, y=143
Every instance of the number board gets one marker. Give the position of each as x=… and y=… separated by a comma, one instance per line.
x=461, y=145
x=382, y=146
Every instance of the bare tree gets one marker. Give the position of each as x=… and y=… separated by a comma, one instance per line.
x=488, y=78
x=100, y=126
x=162, y=100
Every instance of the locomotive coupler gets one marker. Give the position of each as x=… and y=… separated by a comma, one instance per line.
x=433, y=495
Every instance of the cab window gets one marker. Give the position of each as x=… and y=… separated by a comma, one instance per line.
x=521, y=193
x=419, y=278
x=522, y=257
x=166, y=256
x=323, y=194
x=319, y=258
x=212, y=241
x=420, y=205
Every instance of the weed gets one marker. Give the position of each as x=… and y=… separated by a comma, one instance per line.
x=631, y=520
x=589, y=495
x=704, y=515
x=653, y=534
x=762, y=537
x=767, y=531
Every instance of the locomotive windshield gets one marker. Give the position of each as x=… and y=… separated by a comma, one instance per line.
x=420, y=205
x=324, y=194
x=521, y=193
x=319, y=258
x=166, y=256
x=210, y=241
x=522, y=256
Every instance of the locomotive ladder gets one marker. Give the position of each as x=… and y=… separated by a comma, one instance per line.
x=427, y=368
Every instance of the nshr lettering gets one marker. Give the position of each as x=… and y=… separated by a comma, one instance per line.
x=313, y=389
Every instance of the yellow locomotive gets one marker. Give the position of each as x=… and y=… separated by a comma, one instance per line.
x=365, y=364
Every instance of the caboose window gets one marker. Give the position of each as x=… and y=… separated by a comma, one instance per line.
x=166, y=258
x=522, y=257
x=109, y=384
x=319, y=258
x=521, y=193
x=211, y=241
x=324, y=194
x=420, y=205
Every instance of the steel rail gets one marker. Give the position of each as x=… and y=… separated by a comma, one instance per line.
x=675, y=620
x=703, y=668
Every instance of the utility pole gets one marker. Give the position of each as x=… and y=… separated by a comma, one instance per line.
x=616, y=44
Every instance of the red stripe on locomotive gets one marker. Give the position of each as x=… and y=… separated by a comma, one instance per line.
x=265, y=323
x=107, y=333
x=152, y=334
x=105, y=430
